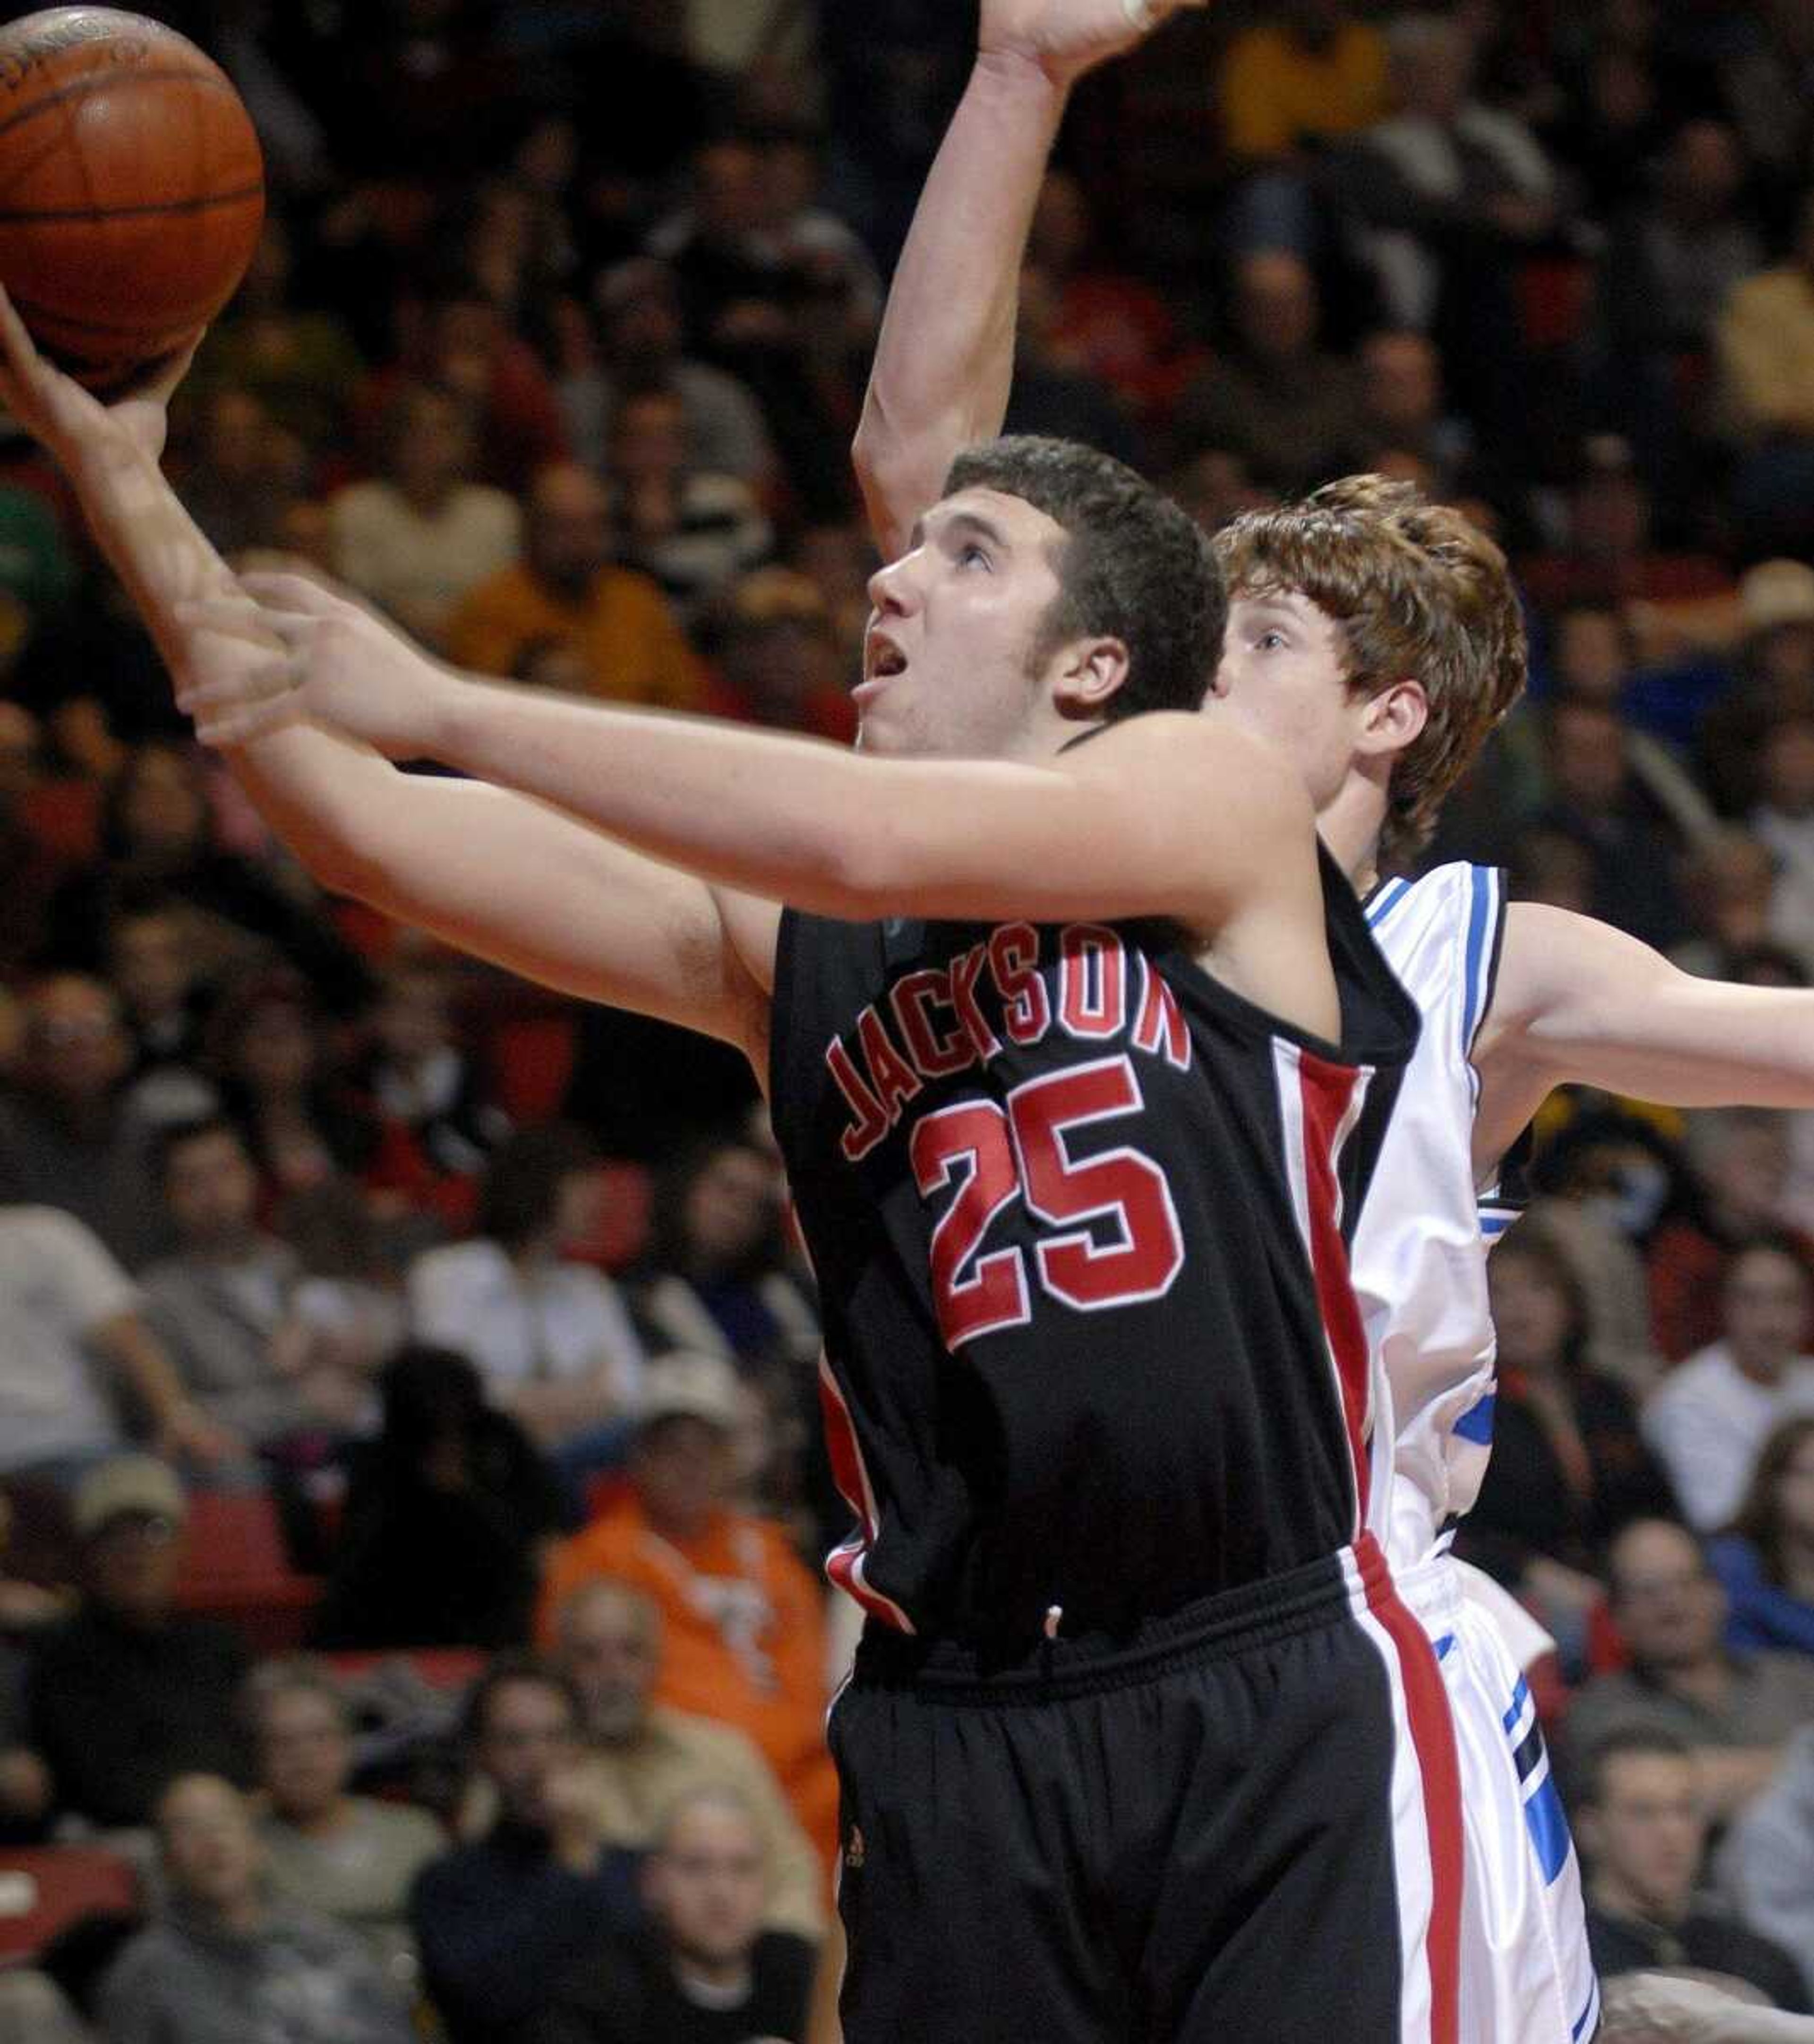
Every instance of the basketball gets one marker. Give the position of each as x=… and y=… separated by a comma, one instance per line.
x=132, y=188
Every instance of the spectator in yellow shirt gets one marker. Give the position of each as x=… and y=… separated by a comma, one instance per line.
x=1312, y=76
x=567, y=592
x=1766, y=345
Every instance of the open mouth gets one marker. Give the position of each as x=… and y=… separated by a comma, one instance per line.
x=882, y=659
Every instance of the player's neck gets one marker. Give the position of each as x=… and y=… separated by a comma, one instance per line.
x=1348, y=824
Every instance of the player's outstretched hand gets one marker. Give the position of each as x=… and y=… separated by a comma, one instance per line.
x=1065, y=38
x=69, y=422
x=339, y=667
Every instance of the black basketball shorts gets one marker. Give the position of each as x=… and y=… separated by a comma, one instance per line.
x=1242, y=1824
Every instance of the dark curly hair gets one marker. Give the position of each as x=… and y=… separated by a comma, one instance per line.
x=1134, y=566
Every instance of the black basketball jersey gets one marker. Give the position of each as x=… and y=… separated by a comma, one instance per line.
x=1078, y=1212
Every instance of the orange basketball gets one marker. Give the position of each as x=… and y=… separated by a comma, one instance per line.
x=132, y=187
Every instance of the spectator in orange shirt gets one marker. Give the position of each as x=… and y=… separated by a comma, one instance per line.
x=743, y=1622
x=568, y=591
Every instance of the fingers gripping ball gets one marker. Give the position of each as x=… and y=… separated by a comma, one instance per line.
x=132, y=188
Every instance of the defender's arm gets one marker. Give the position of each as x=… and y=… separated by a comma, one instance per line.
x=1576, y=1000
x=944, y=362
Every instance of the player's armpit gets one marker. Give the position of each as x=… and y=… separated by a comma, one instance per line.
x=1579, y=1001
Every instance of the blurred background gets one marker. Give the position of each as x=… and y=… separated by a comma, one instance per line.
x=410, y=1612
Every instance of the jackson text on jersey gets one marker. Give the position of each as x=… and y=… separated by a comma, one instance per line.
x=939, y=1021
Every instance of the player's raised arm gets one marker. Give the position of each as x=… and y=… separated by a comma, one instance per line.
x=944, y=361
x=503, y=877
x=1579, y=1001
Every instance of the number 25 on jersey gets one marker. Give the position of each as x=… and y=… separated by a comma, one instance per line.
x=995, y=1154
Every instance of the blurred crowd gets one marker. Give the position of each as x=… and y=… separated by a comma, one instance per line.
x=412, y=1489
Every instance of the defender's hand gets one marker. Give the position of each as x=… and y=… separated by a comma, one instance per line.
x=339, y=667
x=1065, y=38
x=70, y=422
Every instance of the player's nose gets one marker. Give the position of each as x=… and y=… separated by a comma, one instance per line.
x=890, y=588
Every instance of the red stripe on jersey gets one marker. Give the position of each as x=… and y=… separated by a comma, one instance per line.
x=1331, y=1097
x=845, y=1564
x=1433, y=1735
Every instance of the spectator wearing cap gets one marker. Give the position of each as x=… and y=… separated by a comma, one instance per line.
x=743, y=1622
x=636, y=310
x=73, y=1339
x=418, y=535
x=224, y=1962
x=568, y=589
x=129, y=1693
x=1764, y=631
x=501, y=1920
x=1643, y=1835
x=1776, y=608
x=1765, y=342
x=339, y=1855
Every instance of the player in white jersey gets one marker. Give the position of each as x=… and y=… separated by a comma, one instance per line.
x=1377, y=640
x=1419, y=1262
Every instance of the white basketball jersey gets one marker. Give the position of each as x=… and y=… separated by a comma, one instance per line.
x=1418, y=1257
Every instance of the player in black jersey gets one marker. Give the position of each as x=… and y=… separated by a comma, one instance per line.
x=1076, y=1050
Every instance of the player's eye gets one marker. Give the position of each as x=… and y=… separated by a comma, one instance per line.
x=1269, y=641
x=972, y=555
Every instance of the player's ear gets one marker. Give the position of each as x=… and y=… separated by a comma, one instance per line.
x=1090, y=670
x=1394, y=718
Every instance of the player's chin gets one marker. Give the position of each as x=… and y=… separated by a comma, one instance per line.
x=876, y=735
